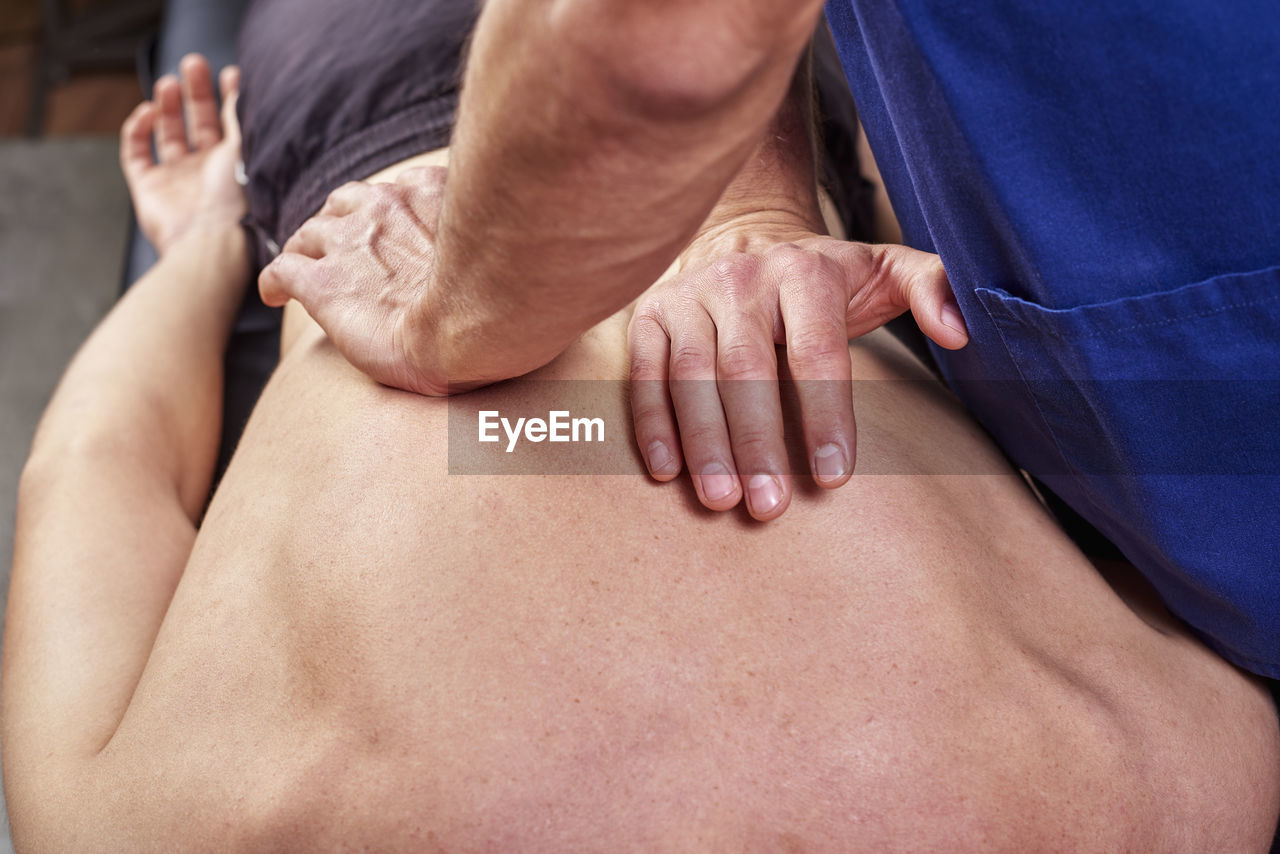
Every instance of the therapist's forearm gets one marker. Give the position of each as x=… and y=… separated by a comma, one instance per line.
x=775, y=193
x=593, y=140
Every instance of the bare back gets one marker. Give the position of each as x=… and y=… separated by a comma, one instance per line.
x=366, y=647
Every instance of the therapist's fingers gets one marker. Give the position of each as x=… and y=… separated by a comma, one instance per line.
x=704, y=435
x=887, y=279
x=933, y=305
x=747, y=380
x=422, y=176
x=651, y=410
x=135, y=140
x=316, y=237
x=813, y=316
x=289, y=276
x=348, y=198
x=171, y=135
x=200, y=106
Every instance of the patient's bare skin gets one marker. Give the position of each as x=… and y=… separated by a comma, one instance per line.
x=585, y=663
x=363, y=651
x=162, y=189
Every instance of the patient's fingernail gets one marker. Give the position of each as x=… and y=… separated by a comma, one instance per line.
x=829, y=463
x=766, y=493
x=660, y=459
x=717, y=483
x=952, y=317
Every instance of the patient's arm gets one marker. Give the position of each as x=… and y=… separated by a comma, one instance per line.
x=117, y=477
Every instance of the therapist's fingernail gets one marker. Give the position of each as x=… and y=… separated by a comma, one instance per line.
x=717, y=483
x=766, y=493
x=660, y=459
x=952, y=317
x=829, y=463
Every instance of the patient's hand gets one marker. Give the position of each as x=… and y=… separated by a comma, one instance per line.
x=702, y=353
x=191, y=176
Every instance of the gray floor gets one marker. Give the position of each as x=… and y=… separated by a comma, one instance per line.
x=63, y=219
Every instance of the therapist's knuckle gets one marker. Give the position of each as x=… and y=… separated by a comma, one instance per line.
x=797, y=264
x=692, y=359
x=744, y=359
x=816, y=350
x=734, y=276
x=644, y=367
x=349, y=190
x=383, y=202
x=645, y=320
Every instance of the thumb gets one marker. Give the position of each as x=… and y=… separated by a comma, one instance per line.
x=917, y=280
x=289, y=276
x=229, y=82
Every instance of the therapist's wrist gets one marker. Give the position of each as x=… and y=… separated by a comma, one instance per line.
x=750, y=228
x=455, y=339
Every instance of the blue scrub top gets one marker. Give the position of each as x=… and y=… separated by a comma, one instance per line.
x=1102, y=183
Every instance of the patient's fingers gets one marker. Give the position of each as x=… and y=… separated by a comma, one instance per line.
x=200, y=105
x=651, y=412
x=171, y=137
x=229, y=83
x=135, y=140
x=704, y=435
x=289, y=275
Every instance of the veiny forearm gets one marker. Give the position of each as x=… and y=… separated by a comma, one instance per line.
x=593, y=140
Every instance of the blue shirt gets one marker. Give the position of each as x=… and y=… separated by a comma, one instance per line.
x=1102, y=183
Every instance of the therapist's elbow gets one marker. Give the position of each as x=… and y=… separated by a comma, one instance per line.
x=672, y=59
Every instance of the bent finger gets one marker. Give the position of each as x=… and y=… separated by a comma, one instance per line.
x=704, y=435
x=348, y=198
x=926, y=290
x=315, y=238
x=289, y=276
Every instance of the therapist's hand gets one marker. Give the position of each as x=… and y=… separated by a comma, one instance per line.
x=704, y=370
x=363, y=267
